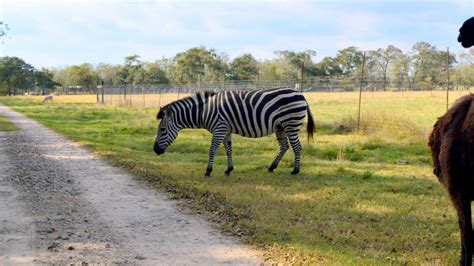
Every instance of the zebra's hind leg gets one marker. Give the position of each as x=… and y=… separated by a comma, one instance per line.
x=283, y=143
x=217, y=139
x=296, y=145
x=228, y=152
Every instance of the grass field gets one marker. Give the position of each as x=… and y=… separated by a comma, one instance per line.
x=364, y=197
x=6, y=125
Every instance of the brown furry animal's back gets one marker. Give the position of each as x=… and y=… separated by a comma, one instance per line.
x=452, y=144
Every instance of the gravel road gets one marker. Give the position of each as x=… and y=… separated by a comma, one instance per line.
x=61, y=204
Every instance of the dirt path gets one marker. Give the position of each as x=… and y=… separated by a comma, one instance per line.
x=60, y=204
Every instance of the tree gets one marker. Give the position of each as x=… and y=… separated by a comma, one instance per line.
x=131, y=72
x=464, y=75
x=107, y=73
x=328, y=66
x=15, y=74
x=271, y=70
x=44, y=80
x=168, y=66
x=428, y=65
x=467, y=57
x=4, y=28
x=243, y=67
x=153, y=74
x=398, y=71
x=293, y=61
x=382, y=58
x=199, y=64
x=84, y=76
x=349, y=60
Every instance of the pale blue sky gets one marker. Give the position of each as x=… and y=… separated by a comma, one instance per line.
x=58, y=33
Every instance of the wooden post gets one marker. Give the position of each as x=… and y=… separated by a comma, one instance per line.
x=360, y=90
x=102, y=92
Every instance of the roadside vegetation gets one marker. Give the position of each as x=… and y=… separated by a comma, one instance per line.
x=6, y=125
x=366, y=197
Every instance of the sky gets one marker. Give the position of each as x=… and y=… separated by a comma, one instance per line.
x=60, y=33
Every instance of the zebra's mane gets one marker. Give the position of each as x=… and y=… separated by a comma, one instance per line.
x=206, y=95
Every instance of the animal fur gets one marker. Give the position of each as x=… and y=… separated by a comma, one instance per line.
x=452, y=148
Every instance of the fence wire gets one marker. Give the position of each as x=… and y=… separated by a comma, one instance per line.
x=154, y=96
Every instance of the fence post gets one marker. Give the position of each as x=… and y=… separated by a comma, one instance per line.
x=360, y=90
x=102, y=92
x=447, y=78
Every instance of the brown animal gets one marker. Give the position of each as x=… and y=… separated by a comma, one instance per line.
x=48, y=98
x=452, y=148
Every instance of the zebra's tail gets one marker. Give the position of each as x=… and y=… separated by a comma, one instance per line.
x=311, y=126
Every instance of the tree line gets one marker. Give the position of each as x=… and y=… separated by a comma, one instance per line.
x=423, y=67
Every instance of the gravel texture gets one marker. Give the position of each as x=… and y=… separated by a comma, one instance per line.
x=61, y=204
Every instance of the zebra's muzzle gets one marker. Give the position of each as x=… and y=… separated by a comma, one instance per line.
x=157, y=149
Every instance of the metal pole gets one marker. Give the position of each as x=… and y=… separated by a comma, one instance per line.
x=102, y=92
x=447, y=78
x=360, y=90
x=97, y=92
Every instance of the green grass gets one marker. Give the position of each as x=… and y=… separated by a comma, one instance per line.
x=360, y=198
x=6, y=125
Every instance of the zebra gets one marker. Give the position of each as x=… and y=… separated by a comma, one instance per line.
x=249, y=113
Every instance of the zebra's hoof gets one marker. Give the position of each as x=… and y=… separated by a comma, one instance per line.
x=271, y=168
x=227, y=172
x=295, y=171
x=208, y=172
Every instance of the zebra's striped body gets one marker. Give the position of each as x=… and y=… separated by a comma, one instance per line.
x=255, y=113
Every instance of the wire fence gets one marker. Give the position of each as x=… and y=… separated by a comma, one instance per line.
x=144, y=96
x=367, y=105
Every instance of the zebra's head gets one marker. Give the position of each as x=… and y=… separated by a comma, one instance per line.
x=167, y=130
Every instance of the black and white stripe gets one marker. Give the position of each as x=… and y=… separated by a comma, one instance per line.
x=254, y=114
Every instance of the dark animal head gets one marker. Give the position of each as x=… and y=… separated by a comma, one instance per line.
x=167, y=130
x=466, y=33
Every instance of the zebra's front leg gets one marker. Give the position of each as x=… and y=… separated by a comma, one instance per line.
x=283, y=143
x=228, y=152
x=217, y=139
x=296, y=145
